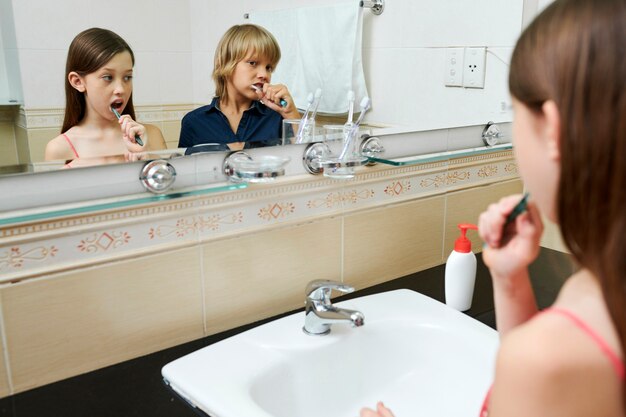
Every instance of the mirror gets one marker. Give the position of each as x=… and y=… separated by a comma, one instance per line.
x=404, y=57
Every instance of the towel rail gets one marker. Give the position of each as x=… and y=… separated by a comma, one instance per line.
x=377, y=7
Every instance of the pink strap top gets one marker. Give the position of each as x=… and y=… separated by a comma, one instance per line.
x=69, y=142
x=617, y=363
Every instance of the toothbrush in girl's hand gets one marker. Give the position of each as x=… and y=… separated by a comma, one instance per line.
x=519, y=208
x=365, y=106
x=137, y=138
x=283, y=102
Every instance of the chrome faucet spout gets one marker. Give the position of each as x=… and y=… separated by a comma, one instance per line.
x=338, y=315
x=320, y=314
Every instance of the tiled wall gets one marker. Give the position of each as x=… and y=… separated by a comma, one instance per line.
x=82, y=320
x=403, y=56
x=88, y=291
x=404, y=51
x=8, y=144
x=157, y=30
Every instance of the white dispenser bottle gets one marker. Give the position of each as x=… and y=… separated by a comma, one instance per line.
x=460, y=273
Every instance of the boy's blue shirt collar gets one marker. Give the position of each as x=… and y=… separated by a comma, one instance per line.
x=261, y=108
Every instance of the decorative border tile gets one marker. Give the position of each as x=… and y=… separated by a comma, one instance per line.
x=511, y=168
x=488, y=171
x=103, y=242
x=15, y=257
x=152, y=210
x=276, y=211
x=449, y=178
x=340, y=198
x=196, y=224
x=31, y=249
x=397, y=188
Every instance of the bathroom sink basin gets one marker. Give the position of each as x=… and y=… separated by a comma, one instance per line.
x=416, y=354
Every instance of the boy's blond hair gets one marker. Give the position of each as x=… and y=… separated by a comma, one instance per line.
x=234, y=46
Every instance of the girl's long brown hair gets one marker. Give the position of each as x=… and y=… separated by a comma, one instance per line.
x=574, y=53
x=89, y=51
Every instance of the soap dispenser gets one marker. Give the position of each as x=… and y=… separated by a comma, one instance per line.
x=460, y=274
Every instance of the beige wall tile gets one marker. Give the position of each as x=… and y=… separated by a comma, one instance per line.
x=393, y=241
x=8, y=147
x=38, y=139
x=4, y=376
x=171, y=133
x=552, y=238
x=465, y=207
x=83, y=320
x=23, y=149
x=264, y=274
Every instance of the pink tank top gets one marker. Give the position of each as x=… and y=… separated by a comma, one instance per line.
x=618, y=364
x=69, y=142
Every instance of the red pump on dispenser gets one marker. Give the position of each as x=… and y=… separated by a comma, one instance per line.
x=460, y=274
x=463, y=244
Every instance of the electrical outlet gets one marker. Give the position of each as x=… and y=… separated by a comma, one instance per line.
x=453, y=70
x=474, y=67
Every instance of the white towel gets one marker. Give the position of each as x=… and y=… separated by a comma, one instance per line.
x=321, y=48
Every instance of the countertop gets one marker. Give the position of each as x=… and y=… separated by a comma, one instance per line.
x=136, y=388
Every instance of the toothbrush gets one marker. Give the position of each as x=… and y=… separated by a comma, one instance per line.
x=350, y=106
x=137, y=138
x=316, y=103
x=366, y=103
x=305, y=119
x=283, y=102
x=309, y=100
x=519, y=208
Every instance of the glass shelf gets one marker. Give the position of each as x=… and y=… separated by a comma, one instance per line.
x=441, y=156
x=116, y=203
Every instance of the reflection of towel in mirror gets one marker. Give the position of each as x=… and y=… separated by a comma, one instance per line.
x=321, y=48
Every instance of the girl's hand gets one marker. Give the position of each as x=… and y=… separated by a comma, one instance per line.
x=508, y=252
x=130, y=129
x=271, y=96
x=381, y=411
x=133, y=157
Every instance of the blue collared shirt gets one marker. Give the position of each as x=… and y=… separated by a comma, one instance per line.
x=259, y=126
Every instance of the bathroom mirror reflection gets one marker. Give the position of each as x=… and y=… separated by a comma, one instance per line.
x=405, y=56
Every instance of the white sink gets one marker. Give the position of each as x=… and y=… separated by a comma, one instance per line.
x=417, y=355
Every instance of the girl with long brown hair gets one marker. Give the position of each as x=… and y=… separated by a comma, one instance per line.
x=99, y=72
x=568, y=82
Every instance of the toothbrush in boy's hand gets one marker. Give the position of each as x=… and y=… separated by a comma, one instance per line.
x=519, y=208
x=137, y=138
x=283, y=102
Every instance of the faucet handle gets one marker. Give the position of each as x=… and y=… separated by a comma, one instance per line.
x=320, y=289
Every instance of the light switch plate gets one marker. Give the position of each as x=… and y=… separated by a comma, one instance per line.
x=453, y=70
x=474, y=67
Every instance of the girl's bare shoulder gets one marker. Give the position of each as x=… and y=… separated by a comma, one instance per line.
x=58, y=148
x=550, y=359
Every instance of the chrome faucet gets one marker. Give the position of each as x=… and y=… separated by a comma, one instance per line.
x=320, y=313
